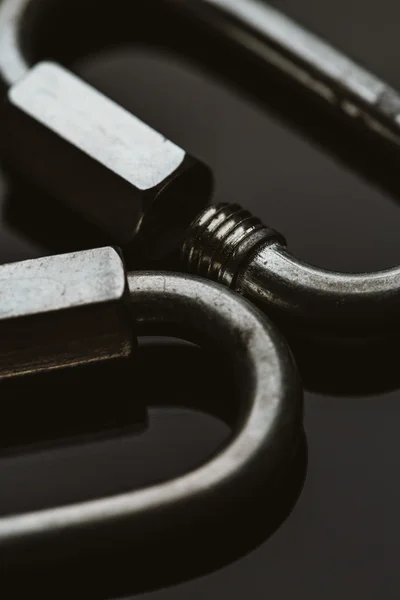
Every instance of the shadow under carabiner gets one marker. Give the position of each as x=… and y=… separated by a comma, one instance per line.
x=347, y=367
x=56, y=229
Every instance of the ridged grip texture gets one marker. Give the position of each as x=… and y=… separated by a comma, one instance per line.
x=221, y=241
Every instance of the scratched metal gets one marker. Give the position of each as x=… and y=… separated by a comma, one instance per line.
x=94, y=156
x=267, y=432
x=63, y=310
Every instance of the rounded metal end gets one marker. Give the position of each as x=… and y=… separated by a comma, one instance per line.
x=221, y=240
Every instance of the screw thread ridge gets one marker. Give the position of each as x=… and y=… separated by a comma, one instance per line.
x=221, y=239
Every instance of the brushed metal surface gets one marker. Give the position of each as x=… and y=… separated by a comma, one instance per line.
x=63, y=310
x=71, y=141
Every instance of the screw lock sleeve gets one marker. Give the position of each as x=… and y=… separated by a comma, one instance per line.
x=89, y=153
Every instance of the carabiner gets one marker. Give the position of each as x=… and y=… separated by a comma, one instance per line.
x=317, y=89
x=84, y=306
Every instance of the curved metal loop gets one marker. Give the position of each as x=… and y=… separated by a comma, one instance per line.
x=266, y=435
x=227, y=244
x=358, y=305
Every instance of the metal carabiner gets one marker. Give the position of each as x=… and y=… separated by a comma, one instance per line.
x=79, y=308
x=320, y=91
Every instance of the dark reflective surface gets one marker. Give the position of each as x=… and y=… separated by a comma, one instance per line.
x=342, y=538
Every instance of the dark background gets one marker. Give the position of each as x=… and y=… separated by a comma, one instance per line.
x=342, y=538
